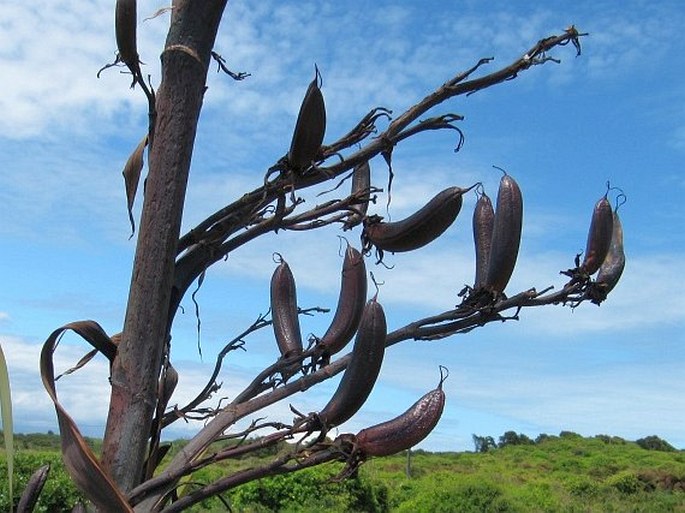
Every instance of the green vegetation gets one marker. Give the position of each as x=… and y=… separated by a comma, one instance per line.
x=564, y=474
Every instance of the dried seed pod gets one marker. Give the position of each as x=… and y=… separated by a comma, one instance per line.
x=612, y=268
x=34, y=487
x=599, y=236
x=351, y=303
x=361, y=182
x=125, y=20
x=417, y=230
x=286, y=322
x=310, y=127
x=506, y=235
x=167, y=385
x=362, y=371
x=483, y=224
x=406, y=430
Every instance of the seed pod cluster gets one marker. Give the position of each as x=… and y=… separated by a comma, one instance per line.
x=506, y=235
x=406, y=430
x=351, y=301
x=284, y=311
x=599, y=237
x=361, y=182
x=363, y=369
x=125, y=20
x=417, y=230
x=612, y=268
x=310, y=127
x=483, y=224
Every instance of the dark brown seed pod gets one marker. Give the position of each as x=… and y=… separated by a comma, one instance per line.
x=286, y=322
x=361, y=183
x=167, y=385
x=614, y=263
x=351, y=301
x=483, y=224
x=599, y=236
x=406, y=430
x=310, y=127
x=34, y=487
x=125, y=20
x=506, y=235
x=417, y=230
x=362, y=370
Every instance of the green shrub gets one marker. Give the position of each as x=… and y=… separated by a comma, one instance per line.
x=626, y=482
x=456, y=494
x=310, y=490
x=59, y=493
x=582, y=487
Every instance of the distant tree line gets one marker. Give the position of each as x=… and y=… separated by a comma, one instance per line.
x=487, y=443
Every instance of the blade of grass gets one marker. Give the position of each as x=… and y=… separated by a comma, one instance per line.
x=7, y=428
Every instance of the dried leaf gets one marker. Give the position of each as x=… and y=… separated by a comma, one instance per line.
x=132, y=169
x=159, y=12
x=79, y=460
x=7, y=428
x=84, y=360
x=200, y=281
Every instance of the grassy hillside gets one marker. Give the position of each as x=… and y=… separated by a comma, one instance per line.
x=565, y=474
x=558, y=474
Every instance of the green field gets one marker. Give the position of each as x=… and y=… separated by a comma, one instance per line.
x=566, y=473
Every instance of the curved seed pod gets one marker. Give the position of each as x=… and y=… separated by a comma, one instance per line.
x=34, y=487
x=310, y=127
x=125, y=20
x=406, y=430
x=362, y=371
x=351, y=303
x=168, y=385
x=361, y=181
x=483, y=224
x=420, y=228
x=614, y=263
x=284, y=311
x=599, y=236
x=506, y=234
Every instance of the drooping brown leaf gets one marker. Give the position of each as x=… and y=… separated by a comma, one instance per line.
x=79, y=460
x=132, y=169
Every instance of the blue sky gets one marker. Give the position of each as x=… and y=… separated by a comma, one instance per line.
x=615, y=113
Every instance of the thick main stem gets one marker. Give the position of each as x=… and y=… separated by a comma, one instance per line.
x=136, y=369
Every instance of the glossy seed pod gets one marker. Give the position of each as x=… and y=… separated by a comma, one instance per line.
x=286, y=323
x=599, y=236
x=483, y=224
x=362, y=371
x=406, y=430
x=506, y=235
x=351, y=301
x=420, y=228
x=310, y=127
